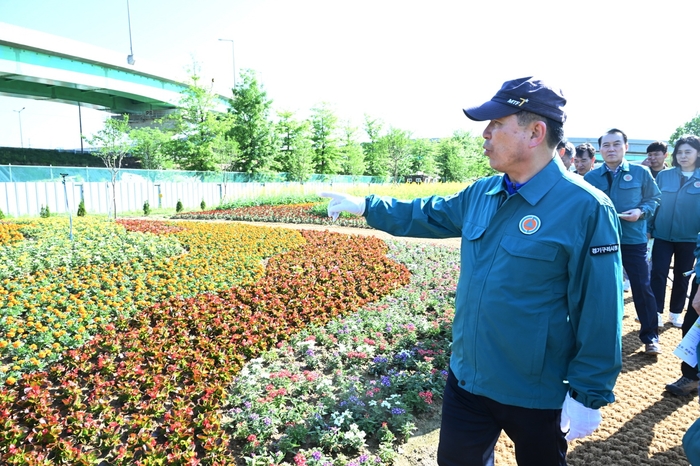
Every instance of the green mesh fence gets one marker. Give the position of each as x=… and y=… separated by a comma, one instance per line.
x=24, y=173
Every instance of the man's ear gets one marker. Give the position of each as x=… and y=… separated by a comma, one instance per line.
x=539, y=133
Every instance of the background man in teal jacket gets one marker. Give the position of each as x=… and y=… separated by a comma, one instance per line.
x=537, y=330
x=635, y=195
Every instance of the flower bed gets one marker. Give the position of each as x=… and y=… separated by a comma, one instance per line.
x=157, y=384
x=75, y=289
x=293, y=213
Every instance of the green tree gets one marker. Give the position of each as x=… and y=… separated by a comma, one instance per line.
x=196, y=127
x=324, y=141
x=112, y=143
x=691, y=127
x=451, y=160
x=477, y=164
x=150, y=146
x=423, y=157
x=351, y=156
x=296, y=151
x=398, y=145
x=376, y=154
x=252, y=128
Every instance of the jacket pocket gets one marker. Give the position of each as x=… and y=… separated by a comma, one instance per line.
x=472, y=231
x=524, y=247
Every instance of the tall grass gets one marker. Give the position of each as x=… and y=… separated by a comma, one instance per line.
x=398, y=190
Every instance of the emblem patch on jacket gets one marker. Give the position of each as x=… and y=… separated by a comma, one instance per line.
x=529, y=224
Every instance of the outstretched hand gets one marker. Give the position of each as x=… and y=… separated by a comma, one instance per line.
x=343, y=203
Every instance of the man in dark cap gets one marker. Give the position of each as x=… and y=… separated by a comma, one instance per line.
x=537, y=330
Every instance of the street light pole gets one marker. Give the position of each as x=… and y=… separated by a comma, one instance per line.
x=233, y=59
x=19, y=115
x=130, y=59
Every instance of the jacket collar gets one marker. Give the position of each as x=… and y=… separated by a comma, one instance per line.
x=539, y=185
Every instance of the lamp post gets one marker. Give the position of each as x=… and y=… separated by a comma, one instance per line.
x=19, y=115
x=130, y=59
x=233, y=59
x=70, y=216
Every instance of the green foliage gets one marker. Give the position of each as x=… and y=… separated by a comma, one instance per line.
x=423, y=157
x=351, y=156
x=251, y=127
x=112, y=144
x=81, y=208
x=46, y=157
x=197, y=129
x=398, y=146
x=295, y=154
x=451, y=160
x=150, y=147
x=2, y=214
x=691, y=127
x=477, y=164
x=203, y=205
x=376, y=154
x=44, y=212
x=146, y=208
x=179, y=207
x=277, y=199
x=95, y=242
x=324, y=140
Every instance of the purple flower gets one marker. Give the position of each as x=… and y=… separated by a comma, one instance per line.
x=385, y=381
x=397, y=411
x=316, y=455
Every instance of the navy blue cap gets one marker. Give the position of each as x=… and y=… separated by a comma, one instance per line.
x=524, y=94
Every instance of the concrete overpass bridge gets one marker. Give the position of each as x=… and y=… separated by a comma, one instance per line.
x=40, y=66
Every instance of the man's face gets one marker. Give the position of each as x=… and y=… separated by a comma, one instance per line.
x=583, y=163
x=505, y=144
x=613, y=149
x=566, y=159
x=656, y=160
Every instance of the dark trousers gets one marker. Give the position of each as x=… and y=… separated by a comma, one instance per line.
x=635, y=264
x=683, y=260
x=471, y=425
x=691, y=316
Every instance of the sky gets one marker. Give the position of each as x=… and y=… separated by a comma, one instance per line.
x=411, y=64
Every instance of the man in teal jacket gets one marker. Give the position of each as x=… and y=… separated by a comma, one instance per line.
x=635, y=195
x=537, y=330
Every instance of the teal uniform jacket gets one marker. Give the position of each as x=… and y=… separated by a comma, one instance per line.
x=691, y=439
x=678, y=217
x=539, y=297
x=632, y=188
x=691, y=442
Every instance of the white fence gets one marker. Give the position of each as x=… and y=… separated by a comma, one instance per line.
x=27, y=198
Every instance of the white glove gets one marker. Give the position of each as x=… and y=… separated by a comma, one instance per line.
x=578, y=420
x=343, y=203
